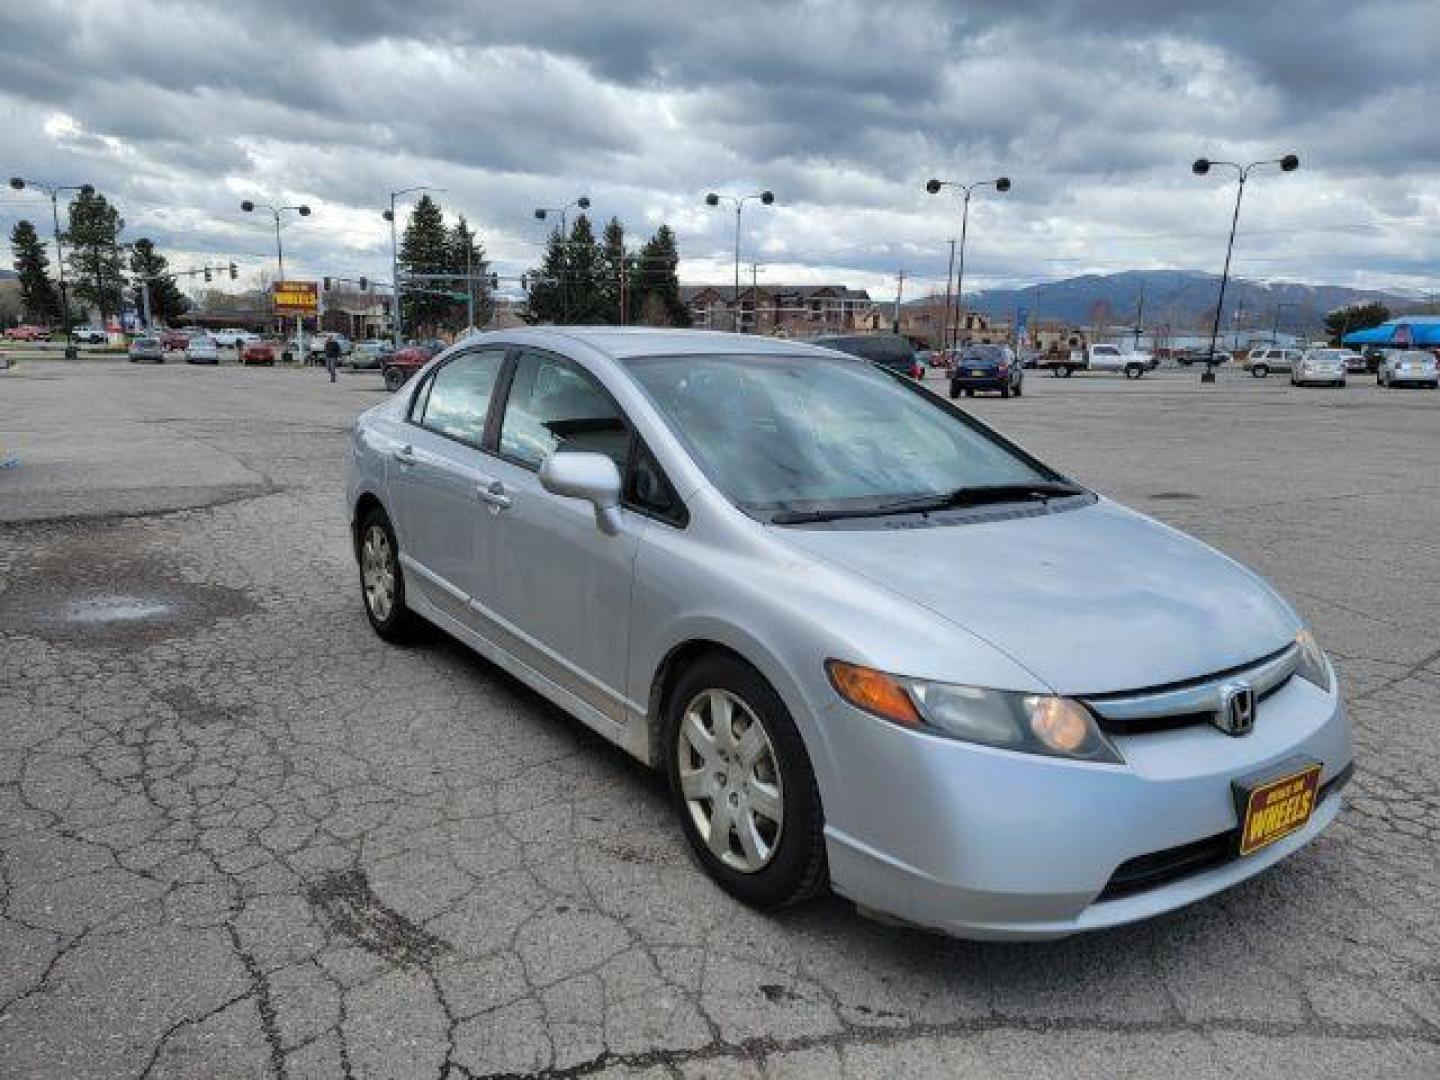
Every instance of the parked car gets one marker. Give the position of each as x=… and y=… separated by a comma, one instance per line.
x=147, y=348
x=736, y=558
x=233, y=339
x=986, y=367
x=175, y=340
x=369, y=354
x=1355, y=363
x=1261, y=362
x=258, y=352
x=202, y=349
x=889, y=351
x=402, y=363
x=315, y=345
x=27, y=332
x=1186, y=357
x=1408, y=367
x=90, y=335
x=1319, y=367
x=1111, y=358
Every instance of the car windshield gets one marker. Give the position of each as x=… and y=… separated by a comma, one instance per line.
x=785, y=433
x=988, y=353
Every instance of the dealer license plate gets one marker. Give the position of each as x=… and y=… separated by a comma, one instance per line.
x=1274, y=806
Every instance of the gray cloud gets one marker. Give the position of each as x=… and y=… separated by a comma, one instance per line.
x=179, y=109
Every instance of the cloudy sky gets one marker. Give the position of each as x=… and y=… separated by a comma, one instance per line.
x=179, y=110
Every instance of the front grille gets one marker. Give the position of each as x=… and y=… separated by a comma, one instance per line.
x=1193, y=701
x=1158, y=868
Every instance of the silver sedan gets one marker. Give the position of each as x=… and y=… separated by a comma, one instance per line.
x=1322, y=367
x=1408, y=367
x=874, y=646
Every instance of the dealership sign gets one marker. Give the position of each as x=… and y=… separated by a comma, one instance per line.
x=296, y=297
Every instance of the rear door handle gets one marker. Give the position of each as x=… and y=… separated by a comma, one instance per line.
x=405, y=455
x=494, y=494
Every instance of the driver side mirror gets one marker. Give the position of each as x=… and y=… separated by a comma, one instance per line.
x=592, y=477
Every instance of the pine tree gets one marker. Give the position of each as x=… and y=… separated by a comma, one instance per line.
x=613, y=270
x=655, y=275
x=463, y=242
x=39, y=299
x=546, y=303
x=584, y=299
x=167, y=302
x=94, y=258
x=425, y=249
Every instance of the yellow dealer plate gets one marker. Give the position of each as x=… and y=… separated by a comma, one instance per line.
x=1273, y=809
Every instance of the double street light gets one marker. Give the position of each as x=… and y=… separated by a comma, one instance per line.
x=541, y=214
x=764, y=198
x=1288, y=163
x=55, y=191
x=1001, y=184
x=275, y=211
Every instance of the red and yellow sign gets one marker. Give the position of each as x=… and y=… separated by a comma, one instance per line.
x=1279, y=808
x=296, y=297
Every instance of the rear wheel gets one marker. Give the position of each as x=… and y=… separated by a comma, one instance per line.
x=1133, y=371
x=1260, y=371
x=1019, y=386
x=382, y=585
x=394, y=379
x=954, y=391
x=742, y=784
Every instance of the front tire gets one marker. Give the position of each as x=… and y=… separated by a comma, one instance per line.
x=742, y=784
x=382, y=584
x=1260, y=371
x=394, y=379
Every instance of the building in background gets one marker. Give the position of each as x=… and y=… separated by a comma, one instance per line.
x=785, y=310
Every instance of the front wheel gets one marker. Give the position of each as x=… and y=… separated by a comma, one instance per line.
x=1260, y=371
x=1019, y=387
x=1133, y=371
x=954, y=391
x=742, y=784
x=394, y=379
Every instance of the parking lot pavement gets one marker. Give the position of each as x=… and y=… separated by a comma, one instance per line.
x=239, y=836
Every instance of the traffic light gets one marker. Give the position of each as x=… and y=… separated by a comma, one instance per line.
x=364, y=284
x=234, y=273
x=327, y=284
x=207, y=273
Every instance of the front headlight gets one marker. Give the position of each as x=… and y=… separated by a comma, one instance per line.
x=1033, y=723
x=1314, y=665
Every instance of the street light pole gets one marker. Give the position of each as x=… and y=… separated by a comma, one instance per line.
x=541, y=212
x=766, y=198
x=19, y=184
x=1001, y=184
x=304, y=211
x=1288, y=163
x=398, y=322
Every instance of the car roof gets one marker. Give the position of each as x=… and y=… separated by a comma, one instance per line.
x=621, y=342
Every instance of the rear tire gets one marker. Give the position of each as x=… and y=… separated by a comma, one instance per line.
x=382, y=583
x=1019, y=386
x=1133, y=371
x=1260, y=371
x=394, y=379
x=954, y=391
x=719, y=780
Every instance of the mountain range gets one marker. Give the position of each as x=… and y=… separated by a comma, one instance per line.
x=1179, y=299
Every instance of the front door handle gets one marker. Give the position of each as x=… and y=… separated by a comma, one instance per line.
x=494, y=494
x=405, y=455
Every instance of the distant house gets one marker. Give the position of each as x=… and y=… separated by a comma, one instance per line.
x=786, y=310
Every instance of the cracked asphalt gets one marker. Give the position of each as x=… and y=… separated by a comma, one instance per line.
x=241, y=837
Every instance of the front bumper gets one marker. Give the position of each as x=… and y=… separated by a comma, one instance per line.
x=990, y=844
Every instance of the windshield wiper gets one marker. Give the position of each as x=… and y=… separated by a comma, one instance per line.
x=976, y=495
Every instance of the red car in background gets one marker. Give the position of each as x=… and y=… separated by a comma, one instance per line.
x=174, y=340
x=26, y=332
x=258, y=352
x=404, y=362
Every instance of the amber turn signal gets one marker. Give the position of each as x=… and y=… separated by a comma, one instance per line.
x=873, y=691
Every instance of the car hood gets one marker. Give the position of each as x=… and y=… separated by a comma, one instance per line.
x=1091, y=600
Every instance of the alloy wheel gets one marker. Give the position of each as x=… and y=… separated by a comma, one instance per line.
x=377, y=573
x=730, y=780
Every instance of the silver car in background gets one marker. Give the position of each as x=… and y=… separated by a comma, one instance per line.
x=201, y=349
x=872, y=644
x=1319, y=367
x=1408, y=367
x=147, y=348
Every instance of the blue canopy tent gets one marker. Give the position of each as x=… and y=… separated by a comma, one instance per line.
x=1422, y=331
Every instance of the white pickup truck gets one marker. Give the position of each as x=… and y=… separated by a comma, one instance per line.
x=1102, y=358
